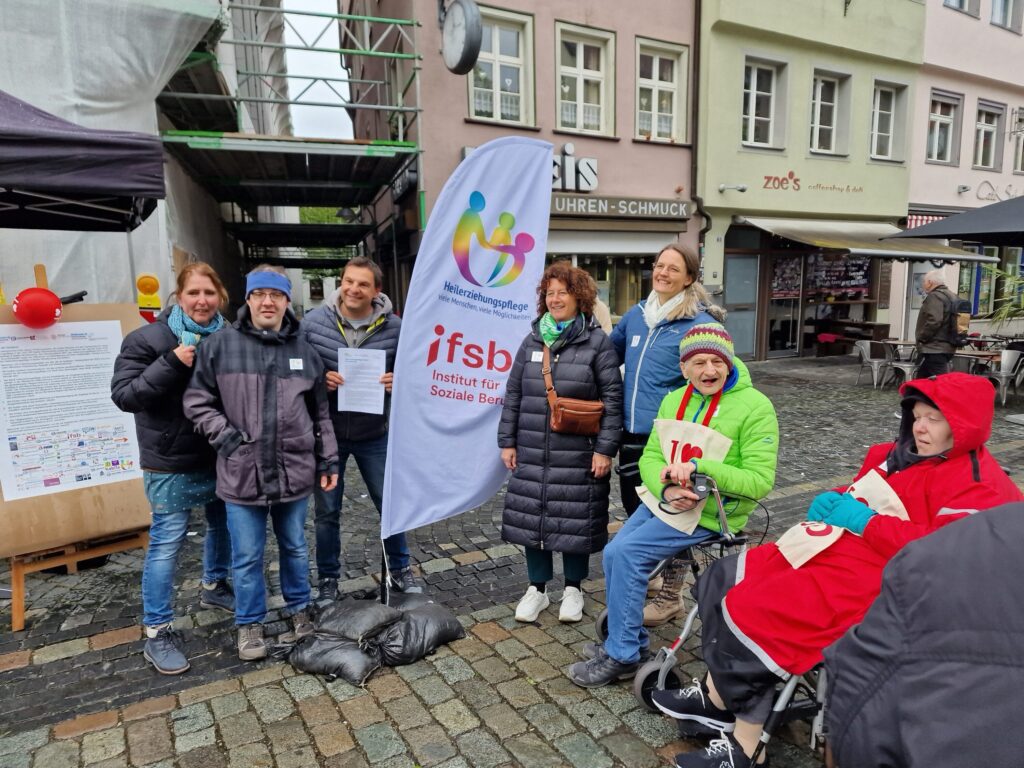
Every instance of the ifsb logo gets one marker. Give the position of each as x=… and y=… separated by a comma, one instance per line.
x=491, y=357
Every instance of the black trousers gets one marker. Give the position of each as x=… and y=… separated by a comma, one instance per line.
x=631, y=449
x=934, y=364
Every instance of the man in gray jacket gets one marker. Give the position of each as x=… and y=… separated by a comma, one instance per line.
x=258, y=396
x=356, y=315
x=936, y=324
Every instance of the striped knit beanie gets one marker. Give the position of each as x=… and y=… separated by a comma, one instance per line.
x=707, y=339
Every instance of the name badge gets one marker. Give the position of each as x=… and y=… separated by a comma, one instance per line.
x=295, y=363
x=635, y=342
x=537, y=357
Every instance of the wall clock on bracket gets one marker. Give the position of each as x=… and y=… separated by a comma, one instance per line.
x=461, y=32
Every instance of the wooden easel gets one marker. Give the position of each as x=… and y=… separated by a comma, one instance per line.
x=70, y=556
x=71, y=526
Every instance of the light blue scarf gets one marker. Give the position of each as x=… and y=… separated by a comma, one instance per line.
x=188, y=331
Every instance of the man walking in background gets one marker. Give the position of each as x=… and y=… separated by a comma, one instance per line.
x=357, y=315
x=936, y=326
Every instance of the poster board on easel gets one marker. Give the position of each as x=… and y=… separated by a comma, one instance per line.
x=65, y=513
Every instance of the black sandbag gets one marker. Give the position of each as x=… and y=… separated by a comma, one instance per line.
x=358, y=620
x=422, y=630
x=335, y=657
x=406, y=601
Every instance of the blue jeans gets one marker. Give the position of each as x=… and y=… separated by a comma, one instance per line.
x=248, y=526
x=633, y=553
x=166, y=533
x=371, y=458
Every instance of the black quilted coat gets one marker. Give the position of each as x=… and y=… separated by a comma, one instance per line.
x=553, y=501
x=149, y=381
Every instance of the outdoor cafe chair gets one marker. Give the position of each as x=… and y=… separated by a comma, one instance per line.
x=876, y=364
x=1007, y=372
x=897, y=365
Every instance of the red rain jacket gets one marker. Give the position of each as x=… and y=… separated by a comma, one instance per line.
x=788, y=616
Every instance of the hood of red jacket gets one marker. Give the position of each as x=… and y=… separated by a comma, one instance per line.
x=967, y=402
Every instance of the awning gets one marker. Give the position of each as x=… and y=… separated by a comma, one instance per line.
x=862, y=238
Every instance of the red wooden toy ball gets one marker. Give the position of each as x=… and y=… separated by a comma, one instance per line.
x=37, y=307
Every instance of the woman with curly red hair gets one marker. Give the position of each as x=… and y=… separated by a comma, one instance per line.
x=557, y=499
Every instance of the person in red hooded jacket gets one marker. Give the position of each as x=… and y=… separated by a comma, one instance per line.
x=764, y=620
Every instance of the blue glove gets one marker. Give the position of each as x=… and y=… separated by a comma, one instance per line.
x=846, y=512
x=823, y=505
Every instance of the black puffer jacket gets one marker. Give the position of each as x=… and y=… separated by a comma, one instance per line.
x=553, y=501
x=149, y=381
x=930, y=676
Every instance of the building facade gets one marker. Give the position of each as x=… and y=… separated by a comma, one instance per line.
x=967, y=140
x=803, y=161
x=612, y=92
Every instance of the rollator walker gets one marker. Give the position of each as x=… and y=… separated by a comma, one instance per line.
x=801, y=697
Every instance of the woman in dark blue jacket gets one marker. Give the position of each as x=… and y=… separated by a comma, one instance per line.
x=150, y=377
x=647, y=342
x=557, y=499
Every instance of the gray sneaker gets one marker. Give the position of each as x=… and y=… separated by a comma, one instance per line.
x=328, y=588
x=164, y=651
x=404, y=581
x=301, y=627
x=251, y=646
x=593, y=650
x=217, y=595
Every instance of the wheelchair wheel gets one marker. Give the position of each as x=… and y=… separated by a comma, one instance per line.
x=646, y=682
x=602, y=626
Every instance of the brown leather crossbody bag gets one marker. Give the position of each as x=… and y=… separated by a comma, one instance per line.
x=569, y=415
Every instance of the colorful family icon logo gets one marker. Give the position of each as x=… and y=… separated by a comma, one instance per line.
x=501, y=244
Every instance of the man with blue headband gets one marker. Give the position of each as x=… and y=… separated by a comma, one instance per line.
x=258, y=396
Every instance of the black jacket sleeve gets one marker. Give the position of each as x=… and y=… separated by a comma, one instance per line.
x=508, y=427
x=143, y=374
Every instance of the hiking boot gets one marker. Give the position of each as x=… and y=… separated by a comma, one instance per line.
x=692, y=703
x=327, y=588
x=601, y=670
x=164, y=652
x=531, y=604
x=654, y=585
x=251, y=646
x=217, y=595
x=301, y=627
x=593, y=650
x=572, y=606
x=720, y=753
x=404, y=581
x=668, y=603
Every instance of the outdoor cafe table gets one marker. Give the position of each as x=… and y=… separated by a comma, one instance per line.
x=980, y=357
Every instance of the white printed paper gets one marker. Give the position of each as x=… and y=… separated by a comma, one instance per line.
x=361, y=369
x=61, y=429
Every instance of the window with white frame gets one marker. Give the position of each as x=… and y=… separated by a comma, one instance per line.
x=824, y=113
x=883, y=122
x=586, y=84
x=944, y=128
x=760, y=87
x=972, y=7
x=988, y=129
x=661, y=91
x=960, y=5
x=500, y=84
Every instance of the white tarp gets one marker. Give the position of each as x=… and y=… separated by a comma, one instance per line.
x=100, y=64
x=471, y=300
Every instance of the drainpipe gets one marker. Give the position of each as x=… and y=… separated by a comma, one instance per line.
x=695, y=141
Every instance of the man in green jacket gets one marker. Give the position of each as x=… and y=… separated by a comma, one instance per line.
x=718, y=402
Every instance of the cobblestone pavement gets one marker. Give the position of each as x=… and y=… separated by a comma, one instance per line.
x=75, y=691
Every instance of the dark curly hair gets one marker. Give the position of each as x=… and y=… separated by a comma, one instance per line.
x=577, y=281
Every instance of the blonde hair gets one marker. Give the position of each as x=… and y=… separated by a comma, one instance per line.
x=695, y=295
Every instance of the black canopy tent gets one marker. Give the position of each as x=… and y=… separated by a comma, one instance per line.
x=55, y=174
x=995, y=224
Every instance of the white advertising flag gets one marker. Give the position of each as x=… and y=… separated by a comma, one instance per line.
x=471, y=300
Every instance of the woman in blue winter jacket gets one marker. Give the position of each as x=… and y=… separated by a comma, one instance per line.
x=647, y=342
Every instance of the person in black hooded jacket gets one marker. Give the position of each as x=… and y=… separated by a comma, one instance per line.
x=557, y=498
x=150, y=376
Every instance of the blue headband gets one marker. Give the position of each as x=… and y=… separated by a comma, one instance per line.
x=274, y=281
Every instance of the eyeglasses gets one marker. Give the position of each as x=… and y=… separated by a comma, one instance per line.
x=272, y=295
x=556, y=294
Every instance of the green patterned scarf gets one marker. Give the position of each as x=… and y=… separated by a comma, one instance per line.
x=550, y=329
